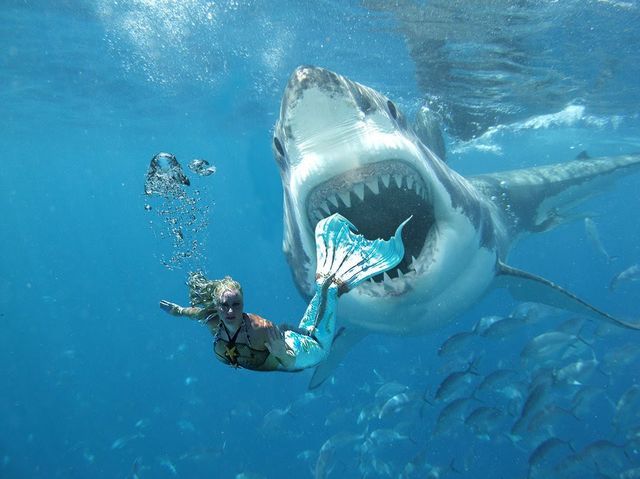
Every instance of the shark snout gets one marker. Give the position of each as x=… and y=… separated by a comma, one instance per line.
x=306, y=76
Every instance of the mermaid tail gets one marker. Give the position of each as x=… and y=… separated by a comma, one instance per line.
x=345, y=259
x=349, y=258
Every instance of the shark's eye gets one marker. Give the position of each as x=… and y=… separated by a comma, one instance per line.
x=392, y=109
x=278, y=146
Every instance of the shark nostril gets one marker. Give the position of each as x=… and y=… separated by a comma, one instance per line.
x=278, y=146
x=392, y=109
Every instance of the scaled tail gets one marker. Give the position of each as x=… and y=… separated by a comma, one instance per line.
x=350, y=258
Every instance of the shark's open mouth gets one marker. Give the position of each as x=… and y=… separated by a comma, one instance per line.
x=376, y=198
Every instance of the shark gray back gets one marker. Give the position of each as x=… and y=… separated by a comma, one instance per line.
x=344, y=147
x=539, y=198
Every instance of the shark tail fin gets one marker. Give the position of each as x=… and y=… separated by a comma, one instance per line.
x=525, y=286
x=350, y=258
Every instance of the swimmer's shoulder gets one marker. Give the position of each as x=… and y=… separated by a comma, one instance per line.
x=259, y=326
x=258, y=321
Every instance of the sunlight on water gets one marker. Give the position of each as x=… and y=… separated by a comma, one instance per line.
x=166, y=39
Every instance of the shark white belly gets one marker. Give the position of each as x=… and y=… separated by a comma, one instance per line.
x=343, y=147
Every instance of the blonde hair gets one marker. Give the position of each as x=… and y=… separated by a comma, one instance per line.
x=205, y=292
x=225, y=284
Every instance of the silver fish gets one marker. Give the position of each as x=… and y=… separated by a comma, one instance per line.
x=503, y=327
x=547, y=344
x=386, y=436
x=395, y=404
x=389, y=390
x=493, y=380
x=367, y=413
x=453, y=412
x=582, y=400
x=325, y=456
x=607, y=457
x=456, y=382
x=274, y=419
x=545, y=448
x=632, y=273
x=627, y=407
x=576, y=372
x=484, y=323
x=484, y=420
x=548, y=417
x=456, y=343
x=534, y=400
x=166, y=462
x=633, y=473
x=621, y=357
x=571, y=325
x=593, y=235
x=124, y=440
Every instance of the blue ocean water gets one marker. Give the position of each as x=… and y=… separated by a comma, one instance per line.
x=98, y=382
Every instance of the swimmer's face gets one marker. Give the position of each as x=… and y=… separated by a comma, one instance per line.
x=230, y=306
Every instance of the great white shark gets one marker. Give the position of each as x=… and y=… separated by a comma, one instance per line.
x=344, y=147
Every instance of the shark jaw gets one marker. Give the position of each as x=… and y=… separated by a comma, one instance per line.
x=377, y=197
x=343, y=147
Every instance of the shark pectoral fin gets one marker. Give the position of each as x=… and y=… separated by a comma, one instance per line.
x=525, y=286
x=343, y=341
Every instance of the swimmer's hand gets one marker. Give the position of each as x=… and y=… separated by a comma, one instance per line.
x=171, y=308
x=277, y=346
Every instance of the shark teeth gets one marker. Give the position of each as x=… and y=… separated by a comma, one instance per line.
x=376, y=198
x=333, y=199
x=393, y=286
x=387, y=283
x=346, y=198
x=398, y=180
x=373, y=186
x=358, y=189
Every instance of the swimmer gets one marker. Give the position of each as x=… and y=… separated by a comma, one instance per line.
x=344, y=260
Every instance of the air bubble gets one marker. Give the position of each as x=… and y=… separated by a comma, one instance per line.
x=181, y=212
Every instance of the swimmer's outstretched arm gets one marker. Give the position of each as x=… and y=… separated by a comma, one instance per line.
x=190, y=312
x=204, y=315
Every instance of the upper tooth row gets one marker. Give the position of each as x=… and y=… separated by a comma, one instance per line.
x=323, y=209
x=372, y=184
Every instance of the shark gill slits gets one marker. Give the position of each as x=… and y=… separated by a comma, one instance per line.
x=392, y=109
